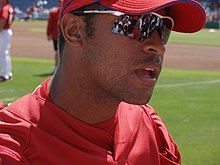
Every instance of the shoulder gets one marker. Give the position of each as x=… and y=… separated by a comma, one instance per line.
x=26, y=109
x=134, y=113
x=15, y=128
x=148, y=113
x=7, y=7
x=166, y=144
x=18, y=119
x=147, y=117
x=143, y=110
x=15, y=135
x=54, y=10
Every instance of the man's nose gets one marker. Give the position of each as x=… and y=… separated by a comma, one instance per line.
x=154, y=45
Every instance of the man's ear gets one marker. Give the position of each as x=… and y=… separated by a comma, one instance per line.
x=70, y=27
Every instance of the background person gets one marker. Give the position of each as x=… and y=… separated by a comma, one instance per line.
x=6, y=19
x=53, y=29
x=95, y=109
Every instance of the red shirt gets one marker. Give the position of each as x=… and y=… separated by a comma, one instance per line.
x=33, y=130
x=53, y=25
x=7, y=13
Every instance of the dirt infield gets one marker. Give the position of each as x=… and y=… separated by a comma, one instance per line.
x=29, y=40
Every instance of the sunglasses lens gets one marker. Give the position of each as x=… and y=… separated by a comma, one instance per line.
x=164, y=34
x=125, y=25
x=141, y=27
x=165, y=29
x=168, y=23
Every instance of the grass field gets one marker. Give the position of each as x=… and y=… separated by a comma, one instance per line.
x=28, y=73
x=205, y=37
x=188, y=102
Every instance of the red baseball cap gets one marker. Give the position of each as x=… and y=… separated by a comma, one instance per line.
x=189, y=16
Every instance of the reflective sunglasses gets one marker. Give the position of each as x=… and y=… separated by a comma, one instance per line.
x=139, y=27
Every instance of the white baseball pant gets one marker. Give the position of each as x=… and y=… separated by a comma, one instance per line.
x=5, y=59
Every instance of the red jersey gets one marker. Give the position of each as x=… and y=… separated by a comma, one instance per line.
x=53, y=23
x=7, y=13
x=33, y=130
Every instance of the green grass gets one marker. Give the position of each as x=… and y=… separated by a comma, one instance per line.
x=203, y=37
x=28, y=73
x=191, y=111
x=37, y=30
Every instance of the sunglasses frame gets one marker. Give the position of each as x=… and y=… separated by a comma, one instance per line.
x=118, y=14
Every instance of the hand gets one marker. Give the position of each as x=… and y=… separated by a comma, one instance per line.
x=49, y=37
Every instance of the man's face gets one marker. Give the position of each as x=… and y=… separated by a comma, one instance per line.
x=2, y=2
x=124, y=68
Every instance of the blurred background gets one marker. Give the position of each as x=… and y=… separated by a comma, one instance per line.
x=32, y=9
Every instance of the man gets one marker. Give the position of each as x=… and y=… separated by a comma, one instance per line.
x=94, y=110
x=6, y=19
x=53, y=29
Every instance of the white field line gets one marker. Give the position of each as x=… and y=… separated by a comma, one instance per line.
x=9, y=99
x=6, y=90
x=2, y=91
x=188, y=84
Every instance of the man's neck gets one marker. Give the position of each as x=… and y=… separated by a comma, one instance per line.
x=81, y=103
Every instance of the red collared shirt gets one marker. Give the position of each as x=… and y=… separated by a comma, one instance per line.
x=7, y=13
x=33, y=130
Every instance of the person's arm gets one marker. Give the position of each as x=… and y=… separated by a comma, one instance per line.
x=2, y=24
x=49, y=27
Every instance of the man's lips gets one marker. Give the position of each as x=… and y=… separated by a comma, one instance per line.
x=148, y=75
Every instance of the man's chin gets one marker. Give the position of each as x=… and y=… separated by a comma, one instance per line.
x=136, y=96
x=141, y=101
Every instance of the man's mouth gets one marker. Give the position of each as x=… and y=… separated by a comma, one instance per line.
x=150, y=73
x=147, y=76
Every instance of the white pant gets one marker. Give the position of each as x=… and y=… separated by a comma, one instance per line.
x=5, y=59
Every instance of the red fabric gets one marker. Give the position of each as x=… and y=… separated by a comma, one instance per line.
x=35, y=131
x=7, y=13
x=53, y=23
x=108, y=126
x=189, y=16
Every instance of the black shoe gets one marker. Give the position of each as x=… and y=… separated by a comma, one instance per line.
x=2, y=78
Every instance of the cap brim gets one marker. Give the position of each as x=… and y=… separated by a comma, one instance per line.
x=188, y=15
